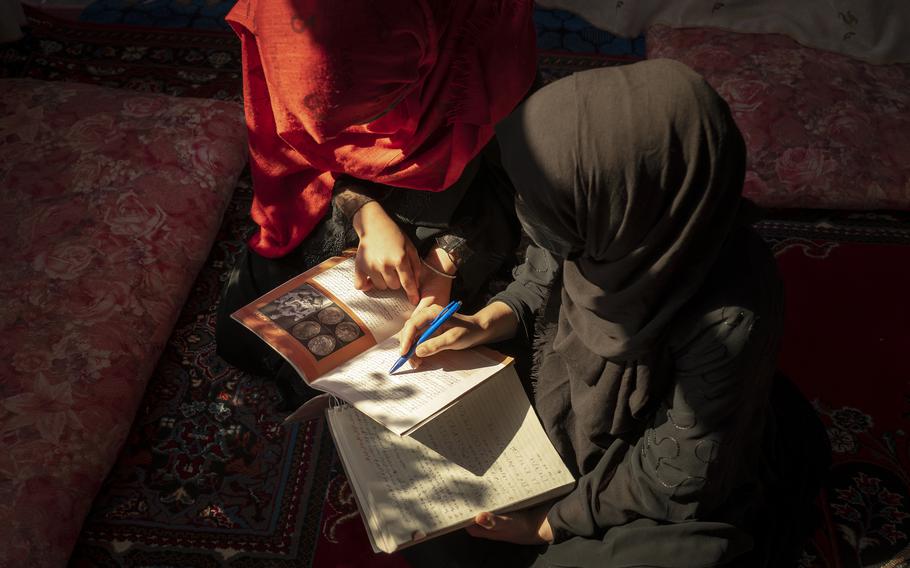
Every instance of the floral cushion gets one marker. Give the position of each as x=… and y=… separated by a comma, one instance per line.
x=823, y=130
x=109, y=203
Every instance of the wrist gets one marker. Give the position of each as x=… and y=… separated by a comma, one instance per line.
x=440, y=260
x=366, y=216
x=455, y=248
x=497, y=321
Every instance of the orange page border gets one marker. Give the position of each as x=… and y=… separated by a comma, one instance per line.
x=286, y=344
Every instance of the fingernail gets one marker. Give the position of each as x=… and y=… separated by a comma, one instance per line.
x=421, y=352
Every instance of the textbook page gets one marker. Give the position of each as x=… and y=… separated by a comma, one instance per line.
x=318, y=320
x=405, y=400
x=383, y=312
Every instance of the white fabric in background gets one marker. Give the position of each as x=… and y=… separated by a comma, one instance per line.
x=12, y=18
x=877, y=31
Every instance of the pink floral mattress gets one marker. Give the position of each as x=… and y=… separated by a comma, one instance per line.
x=823, y=130
x=109, y=203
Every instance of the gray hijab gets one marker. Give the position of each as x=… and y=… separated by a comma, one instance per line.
x=639, y=207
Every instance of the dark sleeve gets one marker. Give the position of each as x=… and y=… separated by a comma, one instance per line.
x=350, y=194
x=530, y=287
x=681, y=467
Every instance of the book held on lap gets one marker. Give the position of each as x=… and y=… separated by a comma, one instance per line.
x=488, y=452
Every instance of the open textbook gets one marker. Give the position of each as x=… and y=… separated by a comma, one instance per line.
x=342, y=341
x=487, y=452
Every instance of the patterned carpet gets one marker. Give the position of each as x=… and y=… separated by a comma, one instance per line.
x=175, y=62
x=210, y=478
x=845, y=346
x=209, y=474
x=556, y=29
x=195, y=14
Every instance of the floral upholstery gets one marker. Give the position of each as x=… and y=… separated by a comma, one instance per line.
x=109, y=203
x=823, y=130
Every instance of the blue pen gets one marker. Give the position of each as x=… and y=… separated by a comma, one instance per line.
x=434, y=325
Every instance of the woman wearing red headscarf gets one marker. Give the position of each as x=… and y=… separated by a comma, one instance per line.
x=368, y=124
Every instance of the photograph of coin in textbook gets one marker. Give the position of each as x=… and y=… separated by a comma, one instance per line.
x=313, y=319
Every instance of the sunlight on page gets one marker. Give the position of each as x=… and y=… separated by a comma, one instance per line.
x=486, y=453
x=407, y=398
x=383, y=311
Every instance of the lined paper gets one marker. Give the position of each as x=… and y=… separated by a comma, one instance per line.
x=486, y=453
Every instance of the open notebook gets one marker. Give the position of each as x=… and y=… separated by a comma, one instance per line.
x=487, y=452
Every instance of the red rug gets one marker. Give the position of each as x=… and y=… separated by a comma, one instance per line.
x=847, y=346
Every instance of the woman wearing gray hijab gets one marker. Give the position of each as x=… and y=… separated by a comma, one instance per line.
x=658, y=318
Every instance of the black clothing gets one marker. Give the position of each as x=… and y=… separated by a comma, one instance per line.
x=662, y=314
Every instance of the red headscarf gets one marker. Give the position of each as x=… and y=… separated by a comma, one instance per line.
x=400, y=92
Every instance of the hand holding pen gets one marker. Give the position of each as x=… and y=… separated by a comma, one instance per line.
x=495, y=322
x=434, y=325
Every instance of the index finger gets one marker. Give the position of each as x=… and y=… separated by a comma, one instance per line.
x=361, y=274
x=407, y=275
x=418, y=320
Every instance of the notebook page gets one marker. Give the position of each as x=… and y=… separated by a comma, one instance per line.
x=486, y=453
x=408, y=397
